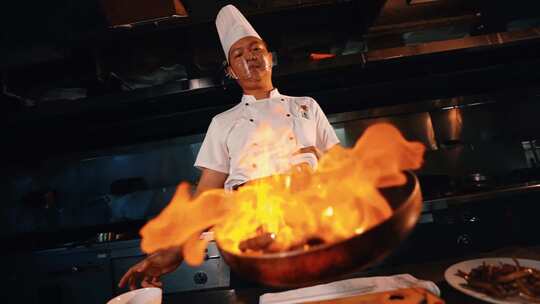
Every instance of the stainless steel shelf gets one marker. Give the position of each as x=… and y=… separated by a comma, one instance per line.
x=480, y=196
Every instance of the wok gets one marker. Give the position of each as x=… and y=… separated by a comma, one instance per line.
x=326, y=261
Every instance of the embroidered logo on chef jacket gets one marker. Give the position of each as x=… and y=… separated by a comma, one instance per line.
x=303, y=125
x=304, y=111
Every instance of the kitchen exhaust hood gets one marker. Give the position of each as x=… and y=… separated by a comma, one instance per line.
x=126, y=13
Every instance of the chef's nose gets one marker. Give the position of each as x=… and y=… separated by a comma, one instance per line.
x=250, y=55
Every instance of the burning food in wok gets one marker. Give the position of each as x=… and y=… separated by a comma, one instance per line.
x=297, y=210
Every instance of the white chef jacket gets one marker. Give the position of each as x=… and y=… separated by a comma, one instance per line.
x=235, y=145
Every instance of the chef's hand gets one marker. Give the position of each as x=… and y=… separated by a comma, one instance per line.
x=310, y=149
x=148, y=271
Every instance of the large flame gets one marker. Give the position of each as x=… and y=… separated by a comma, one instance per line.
x=292, y=210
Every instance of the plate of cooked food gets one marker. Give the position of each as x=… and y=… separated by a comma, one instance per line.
x=497, y=280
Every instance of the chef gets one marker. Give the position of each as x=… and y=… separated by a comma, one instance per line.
x=265, y=133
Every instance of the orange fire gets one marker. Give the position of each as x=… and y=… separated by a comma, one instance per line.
x=334, y=202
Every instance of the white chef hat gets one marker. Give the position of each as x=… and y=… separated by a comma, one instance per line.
x=232, y=26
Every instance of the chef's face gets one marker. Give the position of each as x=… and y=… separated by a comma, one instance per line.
x=250, y=63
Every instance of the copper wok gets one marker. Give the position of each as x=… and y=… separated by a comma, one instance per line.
x=324, y=262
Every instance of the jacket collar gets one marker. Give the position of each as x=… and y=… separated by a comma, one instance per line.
x=250, y=98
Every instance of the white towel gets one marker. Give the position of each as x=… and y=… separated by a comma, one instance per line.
x=348, y=288
x=308, y=158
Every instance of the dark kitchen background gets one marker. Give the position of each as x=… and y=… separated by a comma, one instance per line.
x=104, y=105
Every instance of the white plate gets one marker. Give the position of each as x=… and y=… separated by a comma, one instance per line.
x=466, y=266
x=150, y=295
